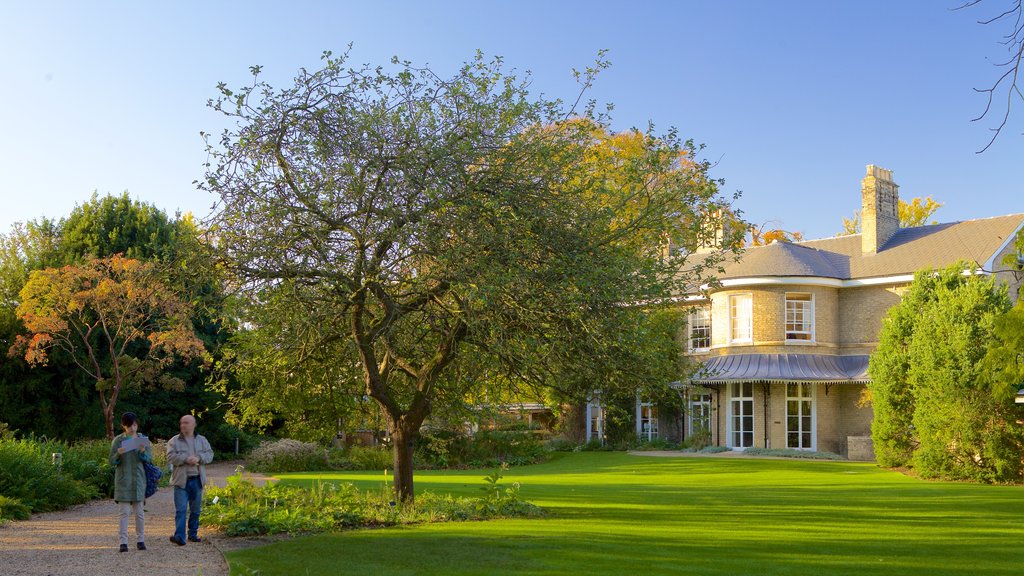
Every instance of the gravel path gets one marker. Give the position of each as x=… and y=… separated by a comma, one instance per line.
x=82, y=541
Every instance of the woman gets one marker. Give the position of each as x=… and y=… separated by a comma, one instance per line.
x=127, y=453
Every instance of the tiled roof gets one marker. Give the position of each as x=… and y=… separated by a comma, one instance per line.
x=784, y=368
x=909, y=250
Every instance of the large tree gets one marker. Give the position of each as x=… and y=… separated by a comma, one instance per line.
x=423, y=217
x=58, y=400
x=115, y=318
x=934, y=402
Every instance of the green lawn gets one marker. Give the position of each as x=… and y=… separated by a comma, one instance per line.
x=612, y=513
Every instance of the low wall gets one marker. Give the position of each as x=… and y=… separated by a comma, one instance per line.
x=860, y=448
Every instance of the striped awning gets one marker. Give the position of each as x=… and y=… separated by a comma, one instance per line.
x=784, y=368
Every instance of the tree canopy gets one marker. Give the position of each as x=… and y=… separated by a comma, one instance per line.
x=58, y=400
x=428, y=221
x=114, y=318
x=936, y=406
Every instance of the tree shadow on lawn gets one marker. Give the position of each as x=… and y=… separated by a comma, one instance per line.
x=557, y=547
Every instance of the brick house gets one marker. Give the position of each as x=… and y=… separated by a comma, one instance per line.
x=783, y=341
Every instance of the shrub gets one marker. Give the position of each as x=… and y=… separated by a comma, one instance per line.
x=658, y=444
x=27, y=474
x=89, y=461
x=793, y=453
x=511, y=447
x=13, y=509
x=697, y=440
x=370, y=458
x=594, y=446
x=242, y=508
x=562, y=444
x=486, y=448
x=441, y=449
x=714, y=449
x=287, y=456
x=222, y=440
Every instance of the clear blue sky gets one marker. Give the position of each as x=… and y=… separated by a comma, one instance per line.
x=791, y=98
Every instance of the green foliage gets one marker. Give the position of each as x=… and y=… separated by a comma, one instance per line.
x=963, y=430
x=561, y=444
x=1003, y=366
x=281, y=377
x=362, y=458
x=222, y=438
x=287, y=456
x=657, y=444
x=474, y=237
x=485, y=448
x=56, y=400
x=501, y=502
x=595, y=445
x=697, y=441
x=27, y=474
x=935, y=406
x=118, y=321
x=892, y=400
x=88, y=461
x=112, y=225
x=241, y=508
x=13, y=509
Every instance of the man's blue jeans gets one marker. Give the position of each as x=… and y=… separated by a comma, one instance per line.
x=187, y=502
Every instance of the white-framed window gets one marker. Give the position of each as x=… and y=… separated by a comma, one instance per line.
x=800, y=416
x=741, y=415
x=699, y=329
x=698, y=413
x=799, y=317
x=646, y=421
x=595, y=422
x=741, y=318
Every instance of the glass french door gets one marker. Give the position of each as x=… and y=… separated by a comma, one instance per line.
x=800, y=416
x=741, y=414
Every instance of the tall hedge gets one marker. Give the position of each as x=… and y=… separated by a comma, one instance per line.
x=933, y=408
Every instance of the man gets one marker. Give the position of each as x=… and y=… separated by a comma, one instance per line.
x=189, y=454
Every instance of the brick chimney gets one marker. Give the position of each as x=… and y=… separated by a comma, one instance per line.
x=879, y=218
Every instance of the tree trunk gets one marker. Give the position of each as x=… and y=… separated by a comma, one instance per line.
x=403, y=439
x=108, y=418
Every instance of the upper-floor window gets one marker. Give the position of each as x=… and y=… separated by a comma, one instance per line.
x=741, y=318
x=699, y=329
x=799, y=317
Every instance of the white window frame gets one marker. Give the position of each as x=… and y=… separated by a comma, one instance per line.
x=646, y=421
x=804, y=300
x=811, y=398
x=740, y=304
x=698, y=411
x=699, y=318
x=736, y=405
x=596, y=422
